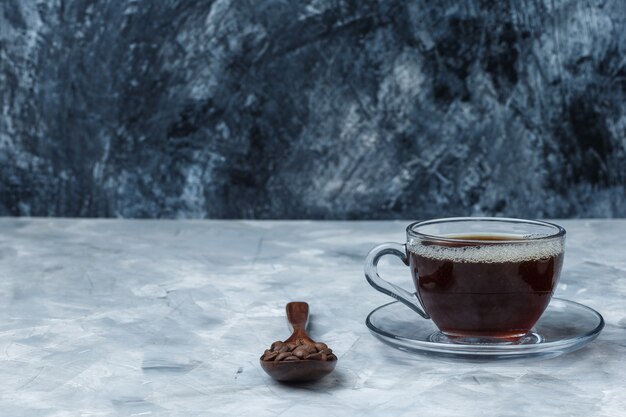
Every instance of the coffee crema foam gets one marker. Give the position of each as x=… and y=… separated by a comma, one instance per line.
x=489, y=253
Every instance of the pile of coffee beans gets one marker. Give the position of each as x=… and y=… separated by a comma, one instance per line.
x=301, y=349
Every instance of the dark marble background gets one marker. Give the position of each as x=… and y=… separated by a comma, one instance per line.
x=313, y=109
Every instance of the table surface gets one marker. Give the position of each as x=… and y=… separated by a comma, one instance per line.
x=169, y=318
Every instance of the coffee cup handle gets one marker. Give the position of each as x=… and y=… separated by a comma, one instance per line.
x=411, y=300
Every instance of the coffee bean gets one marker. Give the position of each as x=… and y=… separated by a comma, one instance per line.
x=291, y=359
x=299, y=352
x=270, y=356
x=314, y=356
x=282, y=356
x=277, y=344
x=320, y=346
x=304, y=342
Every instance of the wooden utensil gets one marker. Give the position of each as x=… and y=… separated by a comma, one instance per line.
x=301, y=370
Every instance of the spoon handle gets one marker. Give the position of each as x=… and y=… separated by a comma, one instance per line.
x=298, y=315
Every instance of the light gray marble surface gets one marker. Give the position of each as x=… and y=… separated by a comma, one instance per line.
x=168, y=318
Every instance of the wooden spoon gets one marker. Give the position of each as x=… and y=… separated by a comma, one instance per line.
x=302, y=370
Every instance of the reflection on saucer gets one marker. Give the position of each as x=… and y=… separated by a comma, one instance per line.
x=531, y=338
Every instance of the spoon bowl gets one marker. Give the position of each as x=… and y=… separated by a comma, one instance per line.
x=302, y=370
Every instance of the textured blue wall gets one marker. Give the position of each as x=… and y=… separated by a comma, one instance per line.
x=320, y=109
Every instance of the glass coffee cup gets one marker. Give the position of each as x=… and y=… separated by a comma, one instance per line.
x=480, y=280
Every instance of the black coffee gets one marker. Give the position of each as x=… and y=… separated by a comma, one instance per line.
x=486, y=288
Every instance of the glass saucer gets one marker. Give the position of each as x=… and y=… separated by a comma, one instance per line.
x=564, y=327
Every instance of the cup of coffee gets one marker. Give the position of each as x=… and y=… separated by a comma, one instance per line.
x=480, y=280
